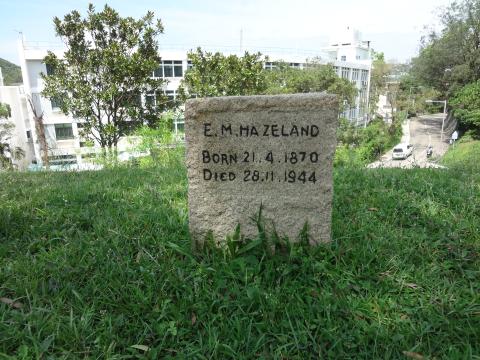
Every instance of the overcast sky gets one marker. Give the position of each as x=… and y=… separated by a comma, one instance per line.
x=394, y=27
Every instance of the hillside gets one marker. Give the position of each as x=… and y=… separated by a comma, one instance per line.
x=94, y=264
x=11, y=72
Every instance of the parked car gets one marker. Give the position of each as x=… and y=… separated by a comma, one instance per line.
x=402, y=151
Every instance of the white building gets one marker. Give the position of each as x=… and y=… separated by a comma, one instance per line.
x=348, y=54
x=21, y=137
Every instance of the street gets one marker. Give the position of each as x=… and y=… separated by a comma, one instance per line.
x=420, y=132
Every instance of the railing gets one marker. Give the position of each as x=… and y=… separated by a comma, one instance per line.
x=237, y=50
x=43, y=45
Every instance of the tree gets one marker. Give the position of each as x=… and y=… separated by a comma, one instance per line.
x=7, y=152
x=214, y=74
x=466, y=106
x=378, y=79
x=220, y=75
x=315, y=77
x=450, y=59
x=107, y=66
x=39, y=130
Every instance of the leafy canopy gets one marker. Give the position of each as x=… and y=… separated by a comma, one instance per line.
x=215, y=74
x=450, y=59
x=220, y=75
x=466, y=105
x=315, y=77
x=108, y=63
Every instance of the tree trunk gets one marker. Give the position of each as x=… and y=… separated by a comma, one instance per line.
x=40, y=129
x=42, y=140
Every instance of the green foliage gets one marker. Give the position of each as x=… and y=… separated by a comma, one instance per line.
x=108, y=64
x=378, y=79
x=159, y=142
x=5, y=111
x=412, y=96
x=466, y=106
x=314, y=78
x=220, y=75
x=98, y=265
x=450, y=59
x=7, y=152
x=12, y=74
x=360, y=146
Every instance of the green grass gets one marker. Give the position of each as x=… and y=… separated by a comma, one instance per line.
x=100, y=262
x=463, y=153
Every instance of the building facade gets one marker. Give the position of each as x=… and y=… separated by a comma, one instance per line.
x=21, y=135
x=350, y=58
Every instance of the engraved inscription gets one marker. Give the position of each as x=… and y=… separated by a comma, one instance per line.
x=273, y=152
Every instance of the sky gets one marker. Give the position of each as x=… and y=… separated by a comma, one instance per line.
x=393, y=27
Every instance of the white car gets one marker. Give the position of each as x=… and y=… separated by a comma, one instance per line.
x=402, y=151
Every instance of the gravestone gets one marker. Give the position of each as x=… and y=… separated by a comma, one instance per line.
x=274, y=152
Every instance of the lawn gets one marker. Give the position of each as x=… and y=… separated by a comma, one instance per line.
x=98, y=265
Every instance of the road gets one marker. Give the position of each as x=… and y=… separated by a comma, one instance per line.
x=420, y=132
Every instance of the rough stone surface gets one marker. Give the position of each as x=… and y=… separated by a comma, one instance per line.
x=251, y=151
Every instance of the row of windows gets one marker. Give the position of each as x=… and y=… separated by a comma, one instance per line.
x=150, y=98
x=174, y=68
x=270, y=65
x=344, y=57
x=345, y=74
x=169, y=68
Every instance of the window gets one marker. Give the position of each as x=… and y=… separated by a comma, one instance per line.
x=29, y=134
x=365, y=75
x=335, y=68
x=158, y=72
x=345, y=73
x=189, y=64
x=358, y=57
x=177, y=68
x=56, y=103
x=343, y=58
x=63, y=131
x=171, y=95
x=295, y=65
x=50, y=69
x=169, y=68
x=270, y=65
x=355, y=74
x=150, y=99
